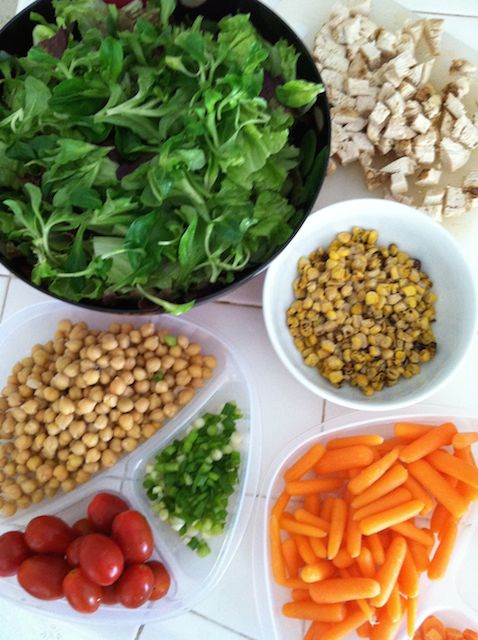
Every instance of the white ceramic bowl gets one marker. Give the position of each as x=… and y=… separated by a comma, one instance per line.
x=422, y=238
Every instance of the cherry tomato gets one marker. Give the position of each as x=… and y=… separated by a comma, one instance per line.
x=162, y=579
x=101, y=559
x=135, y=586
x=103, y=509
x=13, y=551
x=42, y=576
x=73, y=552
x=109, y=595
x=82, y=594
x=133, y=534
x=48, y=534
x=83, y=527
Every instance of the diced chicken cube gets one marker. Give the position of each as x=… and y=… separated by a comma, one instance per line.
x=325, y=45
x=379, y=114
x=415, y=29
x=348, y=31
x=455, y=106
x=435, y=211
x=421, y=123
x=460, y=87
x=385, y=145
x=403, y=148
x=368, y=28
x=456, y=202
x=387, y=42
x=433, y=34
x=357, y=87
x=396, y=104
x=470, y=187
x=424, y=147
x=434, y=196
x=398, y=183
x=373, y=132
x=363, y=144
x=338, y=14
x=333, y=79
x=365, y=105
x=386, y=90
x=347, y=152
x=406, y=90
x=453, y=154
x=339, y=99
x=375, y=179
x=412, y=109
x=461, y=67
x=371, y=54
x=402, y=63
x=365, y=159
x=349, y=118
x=432, y=106
x=397, y=129
x=427, y=70
x=465, y=132
x=447, y=124
x=358, y=68
x=428, y=177
x=360, y=7
x=404, y=165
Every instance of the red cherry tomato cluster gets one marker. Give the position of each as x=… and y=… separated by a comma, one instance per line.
x=101, y=559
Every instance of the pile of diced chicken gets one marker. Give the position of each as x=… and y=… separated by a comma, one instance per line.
x=387, y=116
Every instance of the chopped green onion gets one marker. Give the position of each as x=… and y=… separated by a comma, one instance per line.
x=171, y=341
x=158, y=376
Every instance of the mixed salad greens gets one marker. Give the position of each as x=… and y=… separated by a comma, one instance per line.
x=140, y=158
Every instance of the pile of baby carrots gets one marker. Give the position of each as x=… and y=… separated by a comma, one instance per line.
x=433, y=629
x=358, y=522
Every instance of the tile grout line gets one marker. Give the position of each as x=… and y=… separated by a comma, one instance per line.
x=233, y=303
x=239, y=634
x=4, y=303
x=139, y=632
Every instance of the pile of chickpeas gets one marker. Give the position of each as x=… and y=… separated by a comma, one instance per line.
x=84, y=399
x=363, y=314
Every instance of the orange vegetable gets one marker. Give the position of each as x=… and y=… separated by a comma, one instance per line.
x=343, y=590
x=453, y=634
x=278, y=568
x=419, y=493
x=410, y=431
x=343, y=560
x=376, y=547
x=409, y=530
x=390, y=444
x=304, y=549
x=412, y=605
x=409, y=580
x=364, y=630
x=353, y=536
x=366, y=563
x=462, y=440
x=326, y=510
x=465, y=490
x=372, y=473
x=428, y=442
x=420, y=555
x=469, y=634
x=385, y=629
x=392, y=499
x=301, y=515
x=303, y=487
x=292, y=559
x=302, y=529
x=390, y=517
x=281, y=504
x=344, y=459
x=436, y=484
x=308, y=610
x=296, y=583
x=337, y=527
x=312, y=503
x=316, y=630
x=350, y=441
x=438, y=519
x=454, y=467
x=392, y=479
x=318, y=547
x=342, y=629
x=305, y=463
x=317, y=571
x=433, y=623
x=394, y=605
x=299, y=595
x=388, y=573
x=440, y=560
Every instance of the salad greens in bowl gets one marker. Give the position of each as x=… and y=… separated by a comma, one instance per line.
x=154, y=155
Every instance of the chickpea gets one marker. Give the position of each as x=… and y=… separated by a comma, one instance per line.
x=101, y=422
x=102, y=409
x=19, y=429
x=90, y=418
x=129, y=444
x=74, y=346
x=127, y=377
x=33, y=463
x=78, y=448
x=135, y=336
x=47, y=377
x=161, y=387
x=147, y=330
x=66, y=406
x=103, y=362
x=62, y=454
x=125, y=405
x=91, y=377
x=155, y=401
x=75, y=393
x=32, y=427
x=38, y=441
x=68, y=485
x=151, y=343
x=109, y=458
x=90, y=439
x=106, y=434
x=53, y=429
x=50, y=446
x=129, y=364
x=117, y=387
x=9, y=509
x=23, y=442
x=196, y=360
x=126, y=421
x=29, y=486
x=64, y=421
x=114, y=415
x=183, y=342
x=24, y=502
x=119, y=432
x=167, y=397
x=22, y=457
x=153, y=365
x=195, y=371
x=96, y=393
x=77, y=429
x=132, y=353
x=92, y=455
x=91, y=467
x=94, y=352
x=14, y=399
x=64, y=438
x=61, y=363
x=74, y=462
x=60, y=472
x=44, y=473
x=183, y=379
x=108, y=342
x=157, y=415
x=37, y=496
x=185, y=396
x=25, y=391
x=141, y=405
x=60, y=381
x=22, y=470
x=115, y=446
x=197, y=383
x=10, y=469
x=12, y=491
x=118, y=363
x=82, y=476
x=85, y=405
x=135, y=432
x=170, y=410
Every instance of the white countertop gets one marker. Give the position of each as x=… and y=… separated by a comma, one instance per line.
x=287, y=410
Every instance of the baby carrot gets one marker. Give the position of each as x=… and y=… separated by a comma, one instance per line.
x=304, y=463
x=316, y=630
x=337, y=527
x=292, y=560
x=372, y=473
x=317, y=571
x=281, y=504
x=364, y=630
x=296, y=583
x=342, y=629
x=376, y=548
x=465, y=490
x=308, y=610
x=304, y=487
x=462, y=440
x=343, y=560
x=304, y=549
x=318, y=547
x=469, y=634
x=390, y=517
x=428, y=442
x=420, y=555
x=302, y=529
x=409, y=530
x=394, y=605
x=350, y=441
x=408, y=580
x=365, y=563
x=278, y=568
x=454, y=467
x=326, y=509
x=392, y=479
x=301, y=515
x=419, y=493
x=412, y=606
x=299, y=595
x=344, y=459
x=440, y=560
x=438, y=519
x=312, y=503
x=388, y=573
x=410, y=431
x=390, y=500
x=353, y=536
x=436, y=484
x=385, y=629
x=343, y=590
x=433, y=623
x=390, y=444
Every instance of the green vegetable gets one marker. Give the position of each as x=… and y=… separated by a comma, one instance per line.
x=191, y=480
x=141, y=160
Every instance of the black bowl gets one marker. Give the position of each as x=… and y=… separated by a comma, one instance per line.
x=16, y=39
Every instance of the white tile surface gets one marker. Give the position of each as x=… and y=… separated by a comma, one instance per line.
x=21, y=295
x=188, y=627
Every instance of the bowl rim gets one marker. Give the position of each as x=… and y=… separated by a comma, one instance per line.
x=333, y=395
x=227, y=289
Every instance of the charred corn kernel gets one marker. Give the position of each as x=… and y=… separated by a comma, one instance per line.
x=327, y=345
x=409, y=290
x=312, y=360
x=371, y=298
x=336, y=377
x=356, y=309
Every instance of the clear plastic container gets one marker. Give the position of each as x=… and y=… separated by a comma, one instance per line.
x=192, y=577
x=449, y=599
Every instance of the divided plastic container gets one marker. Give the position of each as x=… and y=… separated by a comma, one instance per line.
x=192, y=577
x=452, y=599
